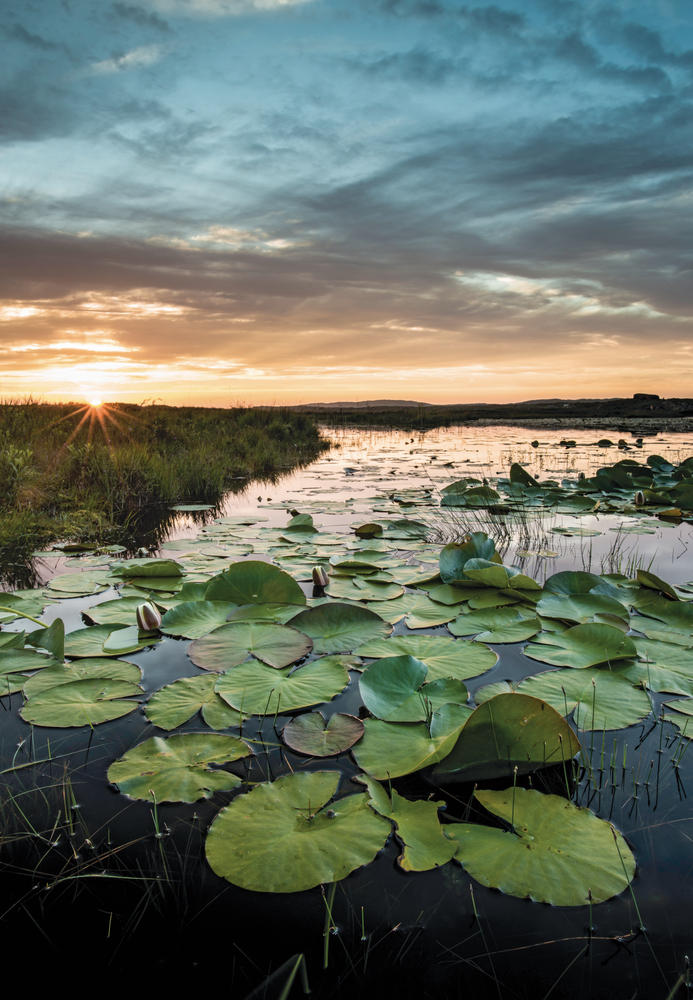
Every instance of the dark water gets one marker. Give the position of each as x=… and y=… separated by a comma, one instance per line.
x=93, y=895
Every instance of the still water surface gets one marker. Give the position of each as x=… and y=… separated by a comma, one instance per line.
x=159, y=910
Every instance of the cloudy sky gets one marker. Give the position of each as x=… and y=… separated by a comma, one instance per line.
x=257, y=201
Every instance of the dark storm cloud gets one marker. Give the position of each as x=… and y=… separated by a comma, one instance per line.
x=142, y=18
x=20, y=33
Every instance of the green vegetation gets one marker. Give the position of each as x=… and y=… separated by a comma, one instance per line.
x=93, y=473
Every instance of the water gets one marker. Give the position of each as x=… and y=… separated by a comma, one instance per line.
x=95, y=884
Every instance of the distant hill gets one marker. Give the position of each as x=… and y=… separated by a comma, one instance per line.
x=363, y=404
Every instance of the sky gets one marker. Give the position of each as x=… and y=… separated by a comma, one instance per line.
x=223, y=202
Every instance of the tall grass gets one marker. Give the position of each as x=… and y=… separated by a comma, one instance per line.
x=72, y=471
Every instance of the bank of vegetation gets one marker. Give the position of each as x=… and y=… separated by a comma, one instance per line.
x=86, y=472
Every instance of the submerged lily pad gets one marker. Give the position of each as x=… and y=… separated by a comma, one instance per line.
x=559, y=853
x=283, y=837
x=507, y=732
x=176, y=768
x=310, y=734
x=276, y=645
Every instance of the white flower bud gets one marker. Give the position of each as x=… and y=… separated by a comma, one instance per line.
x=320, y=577
x=148, y=617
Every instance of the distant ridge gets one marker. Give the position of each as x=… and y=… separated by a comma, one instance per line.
x=362, y=404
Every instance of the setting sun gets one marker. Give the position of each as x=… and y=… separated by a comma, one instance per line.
x=95, y=402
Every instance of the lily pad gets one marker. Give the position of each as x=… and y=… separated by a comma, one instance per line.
x=256, y=689
x=559, y=853
x=255, y=582
x=426, y=845
x=611, y=702
x=391, y=749
x=81, y=703
x=176, y=768
x=338, y=628
x=195, y=619
x=82, y=584
x=579, y=608
x=276, y=645
x=82, y=670
x=443, y=656
x=507, y=732
x=583, y=646
x=455, y=556
x=285, y=837
x=310, y=734
x=572, y=582
x=176, y=703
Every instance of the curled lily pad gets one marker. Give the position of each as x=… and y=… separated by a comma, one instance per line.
x=177, y=768
x=455, y=556
x=557, y=852
x=391, y=749
x=81, y=703
x=176, y=703
x=255, y=582
x=507, y=732
x=338, y=628
x=389, y=689
x=256, y=689
x=91, y=641
x=310, y=734
x=132, y=568
x=276, y=645
x=285, y=836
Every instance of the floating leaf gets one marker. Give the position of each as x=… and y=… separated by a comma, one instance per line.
x=82, y=670
x=120, y=611
x=510, y=731
x=176, y=768
x=18, y=660
x=583, y=646
x=255, y=582
x=257, y=689
x=81, y=703
x=611, y=702
x=418, y=827
x=572, y=582
x=443, y=656
x=391, y=749
x=559, y=853
x=455, y=556
x=650, y=580
x=150, y=568
x=389, y=689
x=177, y=703
x=81, y=584
x=358, y=589
x=579, y=608
x=338, y=628
x=283, y=837
x=195, y=619
x=310, y=734
x=276, y=645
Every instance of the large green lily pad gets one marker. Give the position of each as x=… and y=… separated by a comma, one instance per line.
x=256, y=689
x=82, y=670
x=507, y=732
x=611, y=702
x=176, y=703
x=443, y=656
x=455, y=556
x=284, y=836
x=338, y=628
x=391, y=749
x=583, y=646
x=193, y=619
x=81, y=703
x=276, y=645
x=176, y=768
x=255, y=582
x=560, y=853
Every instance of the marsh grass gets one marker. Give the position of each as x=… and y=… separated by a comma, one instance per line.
x=92, y=474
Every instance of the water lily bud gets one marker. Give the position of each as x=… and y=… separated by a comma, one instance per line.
x=320, y=577
x=148, y=617
x=582, y=475
x=639, y=498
